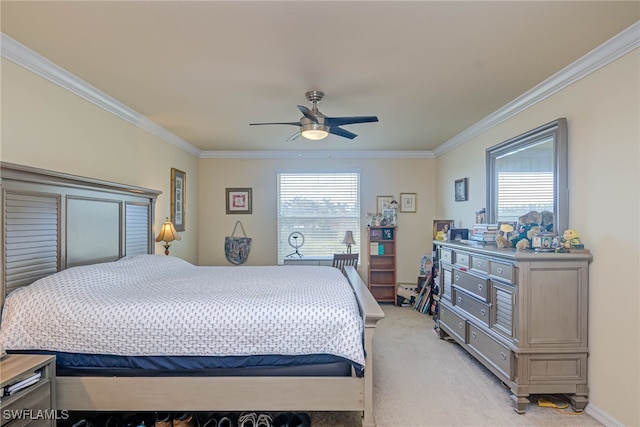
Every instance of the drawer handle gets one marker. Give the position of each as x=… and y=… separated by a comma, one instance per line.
x=460, y=325
x=480, y=286
x=459, y=299
x=474, y=335
x=483, y=311
x=503, y=356
x=499, y=270
x=479, y=264
x=457, y=277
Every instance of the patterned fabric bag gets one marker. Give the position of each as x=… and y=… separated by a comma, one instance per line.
x=237, y=248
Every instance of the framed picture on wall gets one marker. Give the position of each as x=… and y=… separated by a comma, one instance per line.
x=383, y=203
x=239, y=200
x=178, y=198
x=408, y=202
x=460, y=189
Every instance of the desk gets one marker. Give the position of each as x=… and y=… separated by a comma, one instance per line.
x=309, y=260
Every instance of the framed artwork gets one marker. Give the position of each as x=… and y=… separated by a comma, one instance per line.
x=408, y=202
x=383, y=203
x=239, y=201
x=387, y=234
x=461, y=189
x=441, y=228
x=178, y=198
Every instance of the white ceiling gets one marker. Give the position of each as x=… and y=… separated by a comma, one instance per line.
x=204, y=70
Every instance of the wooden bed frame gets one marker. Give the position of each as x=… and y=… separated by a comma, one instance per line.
x=52, y=221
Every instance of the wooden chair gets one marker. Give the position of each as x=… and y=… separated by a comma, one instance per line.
x=342, y=260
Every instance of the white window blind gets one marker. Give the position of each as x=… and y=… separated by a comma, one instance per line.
x=321, y=206
x=521, y=192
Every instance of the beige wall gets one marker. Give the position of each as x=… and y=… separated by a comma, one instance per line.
x=603, y=114
x=378, y=177
x=48, y=127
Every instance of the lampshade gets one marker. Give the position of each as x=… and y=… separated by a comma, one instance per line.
x=348, y=240
x=314, y=131
x=167, y=234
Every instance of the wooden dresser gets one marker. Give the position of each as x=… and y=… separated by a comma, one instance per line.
x=522, y=314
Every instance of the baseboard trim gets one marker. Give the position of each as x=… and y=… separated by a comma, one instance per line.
x=601, y=416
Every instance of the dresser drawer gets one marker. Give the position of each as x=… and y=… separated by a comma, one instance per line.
x=474, y=307
x=492, y=351
x=454, y=323
x=478, y=286
x=480, y=264
x=34, y=398
x=461, y=259
x=502, y=270
x=446, y=256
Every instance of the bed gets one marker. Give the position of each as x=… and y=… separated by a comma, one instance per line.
x=59, y=227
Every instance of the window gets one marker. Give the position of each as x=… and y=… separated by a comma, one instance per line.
x=521, y=192
x=320, y=206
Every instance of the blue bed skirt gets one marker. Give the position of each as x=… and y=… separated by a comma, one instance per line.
x=75, y=364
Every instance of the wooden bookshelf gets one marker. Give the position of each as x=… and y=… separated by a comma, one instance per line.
x=382, y=263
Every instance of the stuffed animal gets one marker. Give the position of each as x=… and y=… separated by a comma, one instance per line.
x=522, y=244
x=504, y=235
x=571, y=240
x=528, y=226
x=531, y=217
x=547, y=221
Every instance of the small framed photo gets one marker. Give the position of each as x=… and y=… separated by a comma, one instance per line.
x=239, y=201
x=383, y=203
x=461, y=189
x=441, y=228
x=178, y=198
x=387, y=234
x=408, y=202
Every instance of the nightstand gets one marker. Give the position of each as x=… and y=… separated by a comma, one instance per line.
x=35, y=404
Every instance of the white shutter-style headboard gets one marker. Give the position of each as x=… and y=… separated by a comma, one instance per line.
x=52, y=221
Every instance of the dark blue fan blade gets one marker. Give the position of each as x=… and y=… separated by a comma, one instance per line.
x=293, y=137
x=281, y=123
x=340, y=121
x=341, y=132
x=308, y=113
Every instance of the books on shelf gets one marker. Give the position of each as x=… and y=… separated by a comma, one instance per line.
x=484, y=232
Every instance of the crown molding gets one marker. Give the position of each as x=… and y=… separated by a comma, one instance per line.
x=39, y=65
x=317, y=155
x=616, y=47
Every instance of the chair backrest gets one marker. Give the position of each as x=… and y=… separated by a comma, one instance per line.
x=340, y=261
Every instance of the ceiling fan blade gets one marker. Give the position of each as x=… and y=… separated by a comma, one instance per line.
x=278, y=123
x=339, y=121
x=293, y=137
x=308, y=113
x=341, y=132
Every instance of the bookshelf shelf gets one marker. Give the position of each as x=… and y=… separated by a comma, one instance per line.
x=382, y=263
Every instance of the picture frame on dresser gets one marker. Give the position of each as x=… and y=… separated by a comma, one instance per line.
x=178, y=198
x=441, y=228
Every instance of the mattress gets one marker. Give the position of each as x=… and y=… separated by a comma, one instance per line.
x=151, y=305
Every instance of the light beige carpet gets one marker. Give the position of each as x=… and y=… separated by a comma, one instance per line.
x=421, y=380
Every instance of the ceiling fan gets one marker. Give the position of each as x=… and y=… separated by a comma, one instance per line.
x=315, y=125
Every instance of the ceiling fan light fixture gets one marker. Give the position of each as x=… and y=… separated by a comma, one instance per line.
x=314, y=131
